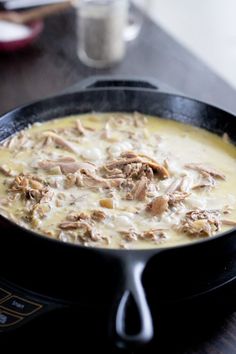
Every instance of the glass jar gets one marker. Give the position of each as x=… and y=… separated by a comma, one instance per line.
x=101, y=25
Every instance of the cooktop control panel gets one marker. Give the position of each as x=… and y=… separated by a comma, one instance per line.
x=18, y=307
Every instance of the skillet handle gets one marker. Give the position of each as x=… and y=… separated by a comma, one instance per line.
x=120, y=82
x=101, y=82
x=132, y=294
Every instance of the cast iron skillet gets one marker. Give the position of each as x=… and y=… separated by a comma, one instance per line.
x=77, y=274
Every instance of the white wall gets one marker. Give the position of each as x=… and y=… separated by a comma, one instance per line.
x=206, y=27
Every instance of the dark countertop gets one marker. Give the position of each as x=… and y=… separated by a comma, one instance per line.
x=51, y=65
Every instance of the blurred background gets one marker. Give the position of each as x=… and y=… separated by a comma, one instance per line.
x=207, y=28
x=188, y=45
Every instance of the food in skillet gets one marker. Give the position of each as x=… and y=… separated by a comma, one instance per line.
x=119, y=181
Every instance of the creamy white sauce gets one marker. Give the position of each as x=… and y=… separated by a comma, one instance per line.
x=166, y=142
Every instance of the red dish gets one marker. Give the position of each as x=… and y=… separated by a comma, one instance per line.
x=35, y=27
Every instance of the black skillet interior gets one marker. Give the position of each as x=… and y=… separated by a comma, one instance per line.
x=127, y=96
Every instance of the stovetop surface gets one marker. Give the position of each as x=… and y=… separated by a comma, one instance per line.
x=87, y=328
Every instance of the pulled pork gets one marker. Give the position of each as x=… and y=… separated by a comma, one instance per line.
x=135, y=166
x=84, y=225
x=60, y=141
x=140, y=189
x=67, y=165
x=201, y=222
x=203, y=169
x=154, y=235
x=30, y=187
x=162, y=203
x=158, y=205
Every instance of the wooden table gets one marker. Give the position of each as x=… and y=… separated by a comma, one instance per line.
x=51, y=65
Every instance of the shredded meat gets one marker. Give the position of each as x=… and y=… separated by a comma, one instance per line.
x=79, y=127
x=6, y=171
x=70, y=180
x=157, y=168
x=47, y=195
x=140, y=189
x=134, y=166
x=63, y=143
x=90, y=179
x=77, y=216
x=155, y=235
x=115, y=177
x=38, y=211
x=205, y=169
x=17, y=141
x=10, y=142
x=162, y=203
x=72, y=225
x=158, y=205
x=114, y=173
x=30, y=188
x=226, y=138
x=98, y=215
x=86, y=232
x=122, y=162
x=229, y=222
x=174, y=186
x=177, y=197
x=117, y=182
x=67, y=165
x=186, y=184
x=130, y=235
x=41, y=210
x=136, y=120
x=136, y=171
x=129, y=154
x=139, y=120
x=201, y=222
x=207, y=181
x=106, y=134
